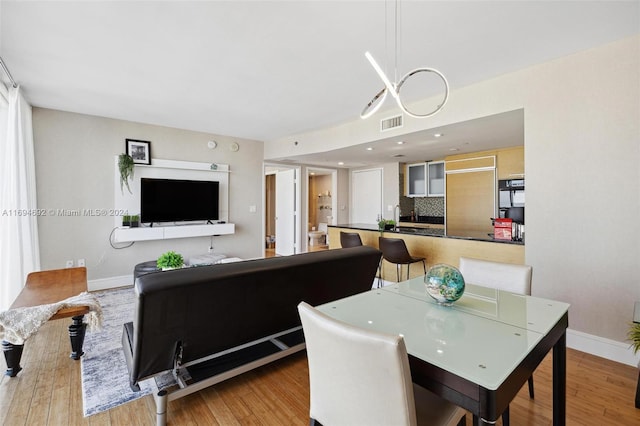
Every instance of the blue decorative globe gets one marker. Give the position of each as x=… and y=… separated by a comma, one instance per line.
x=444, y=283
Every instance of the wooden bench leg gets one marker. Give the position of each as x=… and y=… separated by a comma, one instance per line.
x=77, y=330
x=12, y=355
x=638, y=392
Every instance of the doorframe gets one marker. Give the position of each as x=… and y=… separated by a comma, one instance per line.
x=334, y=200
x=297, y=234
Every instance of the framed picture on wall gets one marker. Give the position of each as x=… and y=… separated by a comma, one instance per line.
x=140, y=151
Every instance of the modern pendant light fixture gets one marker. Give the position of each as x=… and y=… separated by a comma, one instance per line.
x=394, y=87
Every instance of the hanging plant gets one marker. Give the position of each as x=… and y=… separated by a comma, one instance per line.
x=125, y=166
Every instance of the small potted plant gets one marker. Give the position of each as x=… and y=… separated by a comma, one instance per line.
x=126, y=220
x=135, y=221
x=126, y=168
x=634, y=336
x=386, y=224
x=170, y=260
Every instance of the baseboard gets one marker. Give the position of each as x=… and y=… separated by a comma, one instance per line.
x=599, y=346
x=111, y=282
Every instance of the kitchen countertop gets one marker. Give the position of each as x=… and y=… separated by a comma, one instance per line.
x=429, y=232
x=433, y=220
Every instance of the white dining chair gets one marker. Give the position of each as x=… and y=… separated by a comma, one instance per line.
x=362, y=377
x=501, y=276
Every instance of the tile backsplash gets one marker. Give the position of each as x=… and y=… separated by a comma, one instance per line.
x=422, y=206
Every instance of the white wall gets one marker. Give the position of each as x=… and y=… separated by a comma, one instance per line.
x=582, y=161
x=343, y=196
x=75, y=170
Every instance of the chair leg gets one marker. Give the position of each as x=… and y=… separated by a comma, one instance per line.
x=424, y=266
x=531, y=387
x=408, y=266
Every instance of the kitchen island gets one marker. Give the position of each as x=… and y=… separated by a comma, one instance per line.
x=432, y=244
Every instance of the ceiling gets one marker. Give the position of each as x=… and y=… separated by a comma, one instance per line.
x=265, y=70
x=482, y=134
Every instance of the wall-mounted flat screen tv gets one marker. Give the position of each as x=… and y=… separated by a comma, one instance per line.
x=174, y=200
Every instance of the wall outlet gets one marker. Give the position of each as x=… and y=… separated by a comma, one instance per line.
x=69, y=264
x=80, y=262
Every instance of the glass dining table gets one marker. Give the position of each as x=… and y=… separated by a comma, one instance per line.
x=476, y=353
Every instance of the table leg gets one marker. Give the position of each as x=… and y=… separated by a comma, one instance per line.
x=638, y=392
x=12, y=355
x=505, y=417
x=560, y=381
x=477, y=421
x=77, y=330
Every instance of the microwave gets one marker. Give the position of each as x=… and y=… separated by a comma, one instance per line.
x=511, y=193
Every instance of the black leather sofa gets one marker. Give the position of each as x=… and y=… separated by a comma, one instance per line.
x=209, y=323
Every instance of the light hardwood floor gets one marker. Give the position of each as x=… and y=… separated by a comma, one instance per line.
x=47, y=392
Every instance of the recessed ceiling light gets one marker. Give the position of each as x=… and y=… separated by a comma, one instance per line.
x=340, y=163
x=437, y=135
x=369, y=149
x=454, y=149
x=400, y=142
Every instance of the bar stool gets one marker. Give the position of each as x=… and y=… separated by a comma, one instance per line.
x=394, y=250
x=350, y=239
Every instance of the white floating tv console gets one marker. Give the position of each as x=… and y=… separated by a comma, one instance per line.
x=123, y=235
x=170, y=169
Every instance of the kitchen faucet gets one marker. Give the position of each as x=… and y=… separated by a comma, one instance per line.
x=396, y=216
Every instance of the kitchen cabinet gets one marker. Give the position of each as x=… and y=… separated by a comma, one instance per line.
x=416, y=180
x=471, y=195
x=425, y=179
x=470, y=202
x=435, y=179
x=511, y=163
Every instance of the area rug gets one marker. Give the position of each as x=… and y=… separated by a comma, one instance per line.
x=105, y=378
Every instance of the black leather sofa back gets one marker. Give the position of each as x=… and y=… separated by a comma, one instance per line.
x=208, y=309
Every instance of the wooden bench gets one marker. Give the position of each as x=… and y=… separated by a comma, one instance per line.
x=45, y=287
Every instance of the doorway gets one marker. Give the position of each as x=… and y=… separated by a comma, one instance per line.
x=281, y=213
x=322, y=202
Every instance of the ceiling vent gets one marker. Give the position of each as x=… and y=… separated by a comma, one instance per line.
x=390, y=123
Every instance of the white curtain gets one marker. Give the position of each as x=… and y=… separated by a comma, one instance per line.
x=19, y=248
